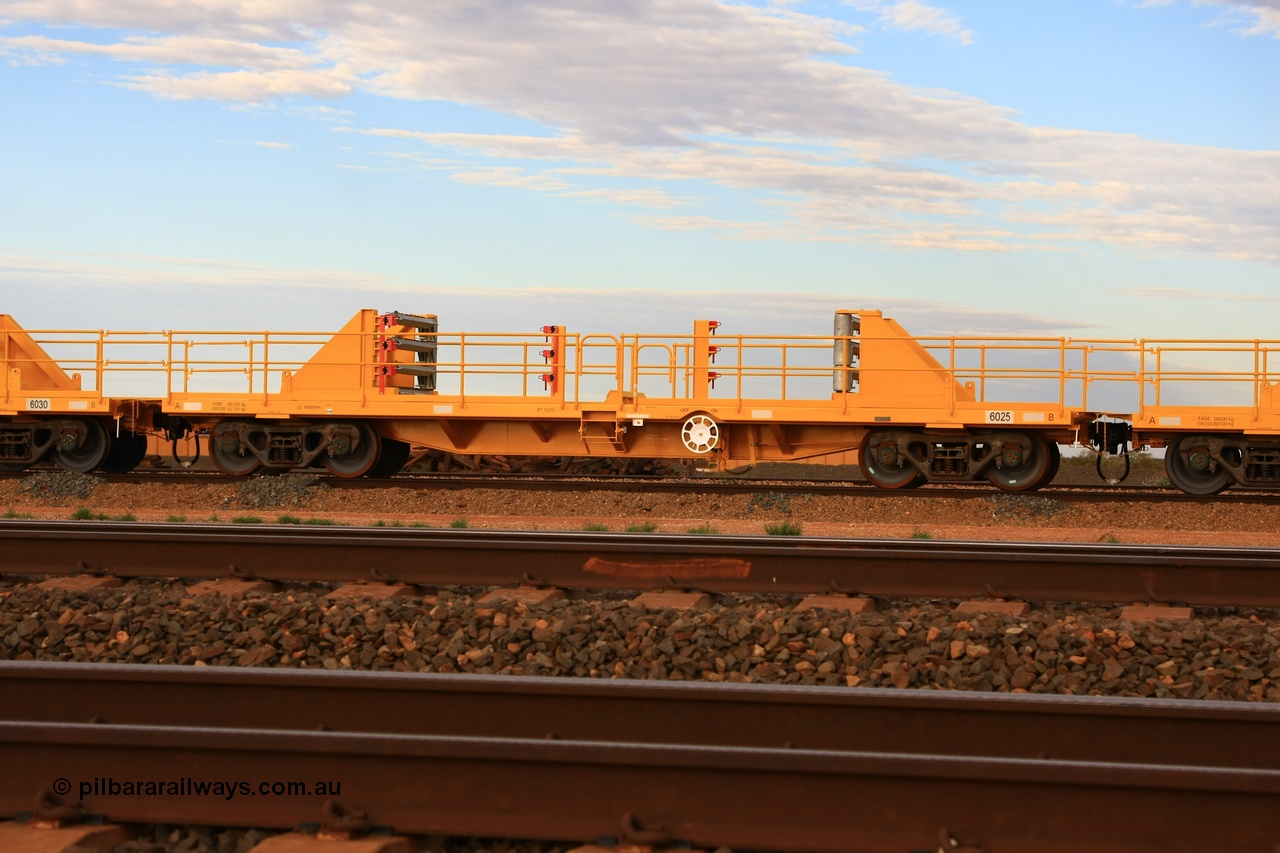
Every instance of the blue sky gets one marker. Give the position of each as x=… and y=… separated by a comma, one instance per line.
x=1094, y=168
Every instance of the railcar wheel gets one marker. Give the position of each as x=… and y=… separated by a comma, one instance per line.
x=883, y=466
x=83, y=456
x=227, y=453
x=1024, y=463
x=1191, y=469
x=392, y=455
x=700, y=434
x=359, y=457
x=127, y=450
x=1055, y=462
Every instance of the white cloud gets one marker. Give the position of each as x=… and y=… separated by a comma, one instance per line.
x=247, y=86
x=323, y=113
x=1245, y=17
x=282, y=146
x=511, y=176
x=912, y=15
x=82, y=279
x=1186, y=293
x=685, y=97
x=1070, y=187
x=185, y=50
x=1248, y=17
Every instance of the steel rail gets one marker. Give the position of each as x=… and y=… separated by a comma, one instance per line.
x=1032, y=571
x=778, y=799
x=1066, y=728
x=415, y=774
x=575, y=483
x=843, y=488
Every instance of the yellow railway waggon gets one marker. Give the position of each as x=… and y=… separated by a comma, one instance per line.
x=914, y=409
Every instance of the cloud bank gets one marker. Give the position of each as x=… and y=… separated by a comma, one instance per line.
x=652, y=105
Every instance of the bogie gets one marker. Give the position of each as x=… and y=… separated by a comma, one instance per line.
x=346, y=449
x=1013, y=461
x=1207, y=464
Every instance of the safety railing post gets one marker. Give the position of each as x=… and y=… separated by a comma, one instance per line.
x=1257, y=380
x=462, y=370
x=620, y=368
x=1159, y=373
x=1062, y=373
x=982, y=373
x=100, y=368
x=952, y=386
x=785, y=373
x=266, y=367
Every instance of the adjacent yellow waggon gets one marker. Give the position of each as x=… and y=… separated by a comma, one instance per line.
x=914, y=409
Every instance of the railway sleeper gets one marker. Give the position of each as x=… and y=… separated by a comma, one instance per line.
x=1012, y=460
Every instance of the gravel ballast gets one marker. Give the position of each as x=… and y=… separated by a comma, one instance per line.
x=987, y=515
x=1230, y=655
x=1067, y=649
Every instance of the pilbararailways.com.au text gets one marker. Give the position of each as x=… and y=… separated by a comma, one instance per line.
x=109, y=786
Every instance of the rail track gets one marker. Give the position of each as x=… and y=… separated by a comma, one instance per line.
x=755, y=766
x=574, y=483
x=1096, y=573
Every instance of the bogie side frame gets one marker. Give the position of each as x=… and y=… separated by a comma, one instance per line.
x=913, y=409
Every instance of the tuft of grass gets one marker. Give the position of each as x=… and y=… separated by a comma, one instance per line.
x=86, y=514
x=321, y=522
x=921, y=534
x=459, y=524
x=419, y=524
x=595, y=527
x=246, y=519
x=1110, y=539
x=176, y=519
x=783, y=528
x=643, y=527
x=288, y=519
x=15, y=514
x=124, y=516
x=704, y=528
